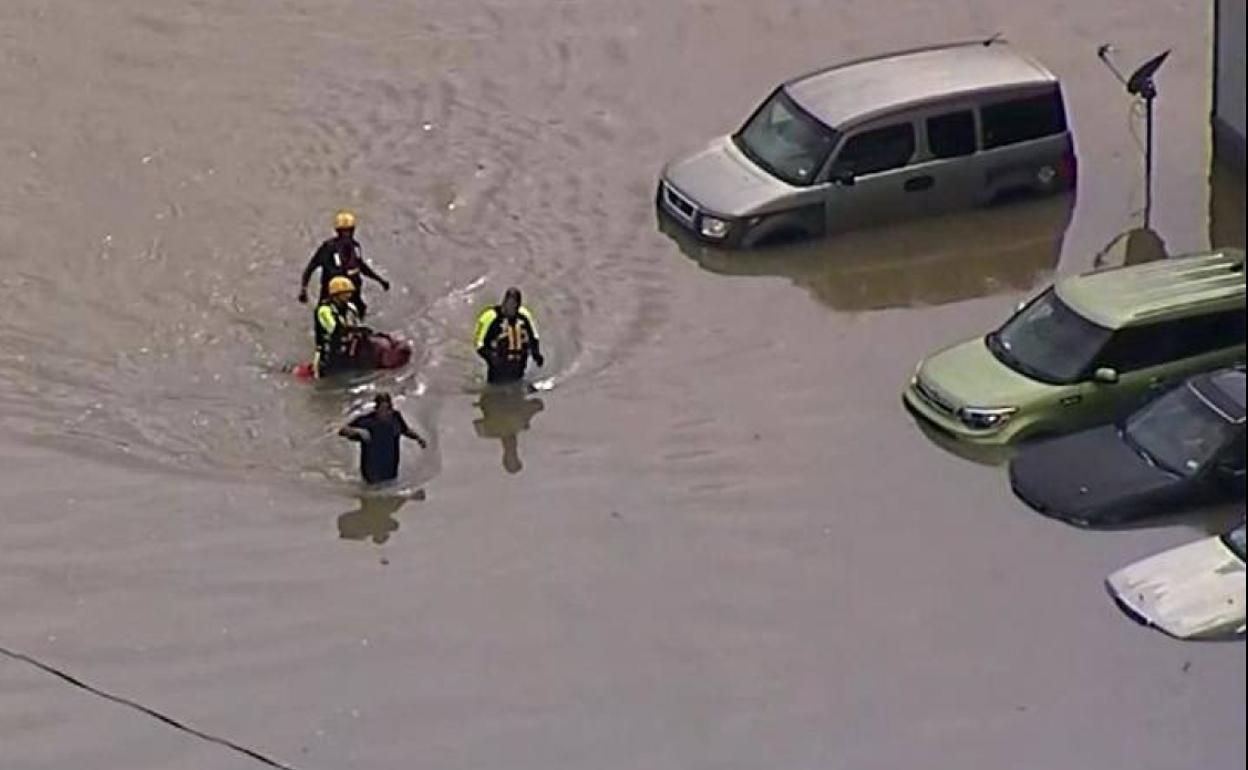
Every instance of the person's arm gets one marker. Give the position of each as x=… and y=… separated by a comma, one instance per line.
x=356, y=432
x=368, y=271
x=325, y=317
x=535, y=344
x=482, y=338
x=313, y=264
x=413, y=435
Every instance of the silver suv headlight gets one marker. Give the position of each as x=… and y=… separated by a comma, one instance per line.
x=712, y=227
x=986, y=418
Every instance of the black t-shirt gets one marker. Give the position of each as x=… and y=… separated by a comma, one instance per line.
x=379, y=456
x=330, y=259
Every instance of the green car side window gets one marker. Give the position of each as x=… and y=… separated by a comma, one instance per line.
x=1143, y=347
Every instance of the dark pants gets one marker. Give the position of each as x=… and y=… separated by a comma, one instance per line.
x=502, y=370
x=379, y=474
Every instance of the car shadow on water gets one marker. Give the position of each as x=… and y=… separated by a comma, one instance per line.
x=1203, y=519
x=1008, y=247
x=987, y=455
x=506, y=412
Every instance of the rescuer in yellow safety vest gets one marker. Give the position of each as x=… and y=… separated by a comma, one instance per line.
x=506, y=337
x=338, y=328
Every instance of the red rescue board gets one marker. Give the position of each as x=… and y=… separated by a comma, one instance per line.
x=381, y=351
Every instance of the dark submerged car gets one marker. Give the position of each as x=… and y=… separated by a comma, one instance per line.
x=1183, y=449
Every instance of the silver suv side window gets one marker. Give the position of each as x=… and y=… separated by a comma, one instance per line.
x=951, y=135
x=1021, y=120
x=878, y=150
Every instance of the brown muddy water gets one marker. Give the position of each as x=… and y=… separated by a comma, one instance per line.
x=717, y=543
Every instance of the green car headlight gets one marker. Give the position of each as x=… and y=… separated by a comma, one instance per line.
x=986, y=418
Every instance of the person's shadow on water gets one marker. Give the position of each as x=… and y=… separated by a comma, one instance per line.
x=506, y=411
x=374, y=517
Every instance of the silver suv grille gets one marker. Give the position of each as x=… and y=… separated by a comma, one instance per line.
x=679, y=205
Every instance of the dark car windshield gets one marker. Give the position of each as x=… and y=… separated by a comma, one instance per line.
x=786, y=141
x=1048, y=341
x=1180, y=431
x=1235, y=541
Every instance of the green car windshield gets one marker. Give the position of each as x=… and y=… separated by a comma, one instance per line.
x=1180, y=431
x=1048, y=341
x=786, y=141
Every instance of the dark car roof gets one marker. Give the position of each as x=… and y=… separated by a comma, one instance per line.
x=1225, y=391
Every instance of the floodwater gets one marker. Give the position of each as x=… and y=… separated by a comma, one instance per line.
x=715, y=541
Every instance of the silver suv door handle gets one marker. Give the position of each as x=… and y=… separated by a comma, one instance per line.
x=918, y=183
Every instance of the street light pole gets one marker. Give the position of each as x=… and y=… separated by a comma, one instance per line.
x=1141, y=84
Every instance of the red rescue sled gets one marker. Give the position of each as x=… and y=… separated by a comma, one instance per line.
x=374, y=351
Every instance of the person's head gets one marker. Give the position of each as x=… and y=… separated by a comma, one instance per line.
x=340, y=289
x=511, y=302
x=383, y=404
x=344, y=223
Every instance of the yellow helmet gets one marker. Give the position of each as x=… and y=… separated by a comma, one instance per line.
x=344, y=220
x=340, y=284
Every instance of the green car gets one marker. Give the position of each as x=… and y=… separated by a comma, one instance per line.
x=1089, y=349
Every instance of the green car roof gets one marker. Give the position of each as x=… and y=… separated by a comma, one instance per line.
x=1169, y=288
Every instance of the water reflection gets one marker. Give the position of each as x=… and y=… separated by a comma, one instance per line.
x=935, y=261
x=506, y=412
x=374, y=519
x=980, y=454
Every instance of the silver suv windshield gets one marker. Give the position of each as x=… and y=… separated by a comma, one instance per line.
x=1048, y=341
x=786, y=141
x=1179, y=431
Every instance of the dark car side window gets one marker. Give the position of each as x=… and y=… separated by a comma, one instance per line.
x=1198, y=335
x=879, y=150
x=952, y=135
x=1232, y=458
x=1140, y=347
x=1137, y=347
x=1021, y=120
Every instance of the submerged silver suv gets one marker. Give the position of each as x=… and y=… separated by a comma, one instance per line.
x=876, y=140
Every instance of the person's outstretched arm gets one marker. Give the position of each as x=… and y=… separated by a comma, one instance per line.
x=413, y=435
x=368, y=271
x=313, y=263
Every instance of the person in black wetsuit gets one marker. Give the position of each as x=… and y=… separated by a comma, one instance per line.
x=379, y=432
x=506, y=338
x=341, y=255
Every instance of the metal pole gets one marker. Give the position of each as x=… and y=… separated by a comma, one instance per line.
x=1148, y=162
x=1141, y=84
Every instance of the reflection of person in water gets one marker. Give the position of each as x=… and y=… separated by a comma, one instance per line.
x=505, y=413
x=373, y=519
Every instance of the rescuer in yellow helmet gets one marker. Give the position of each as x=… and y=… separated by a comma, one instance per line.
x=341, y=256
x=338, y=328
